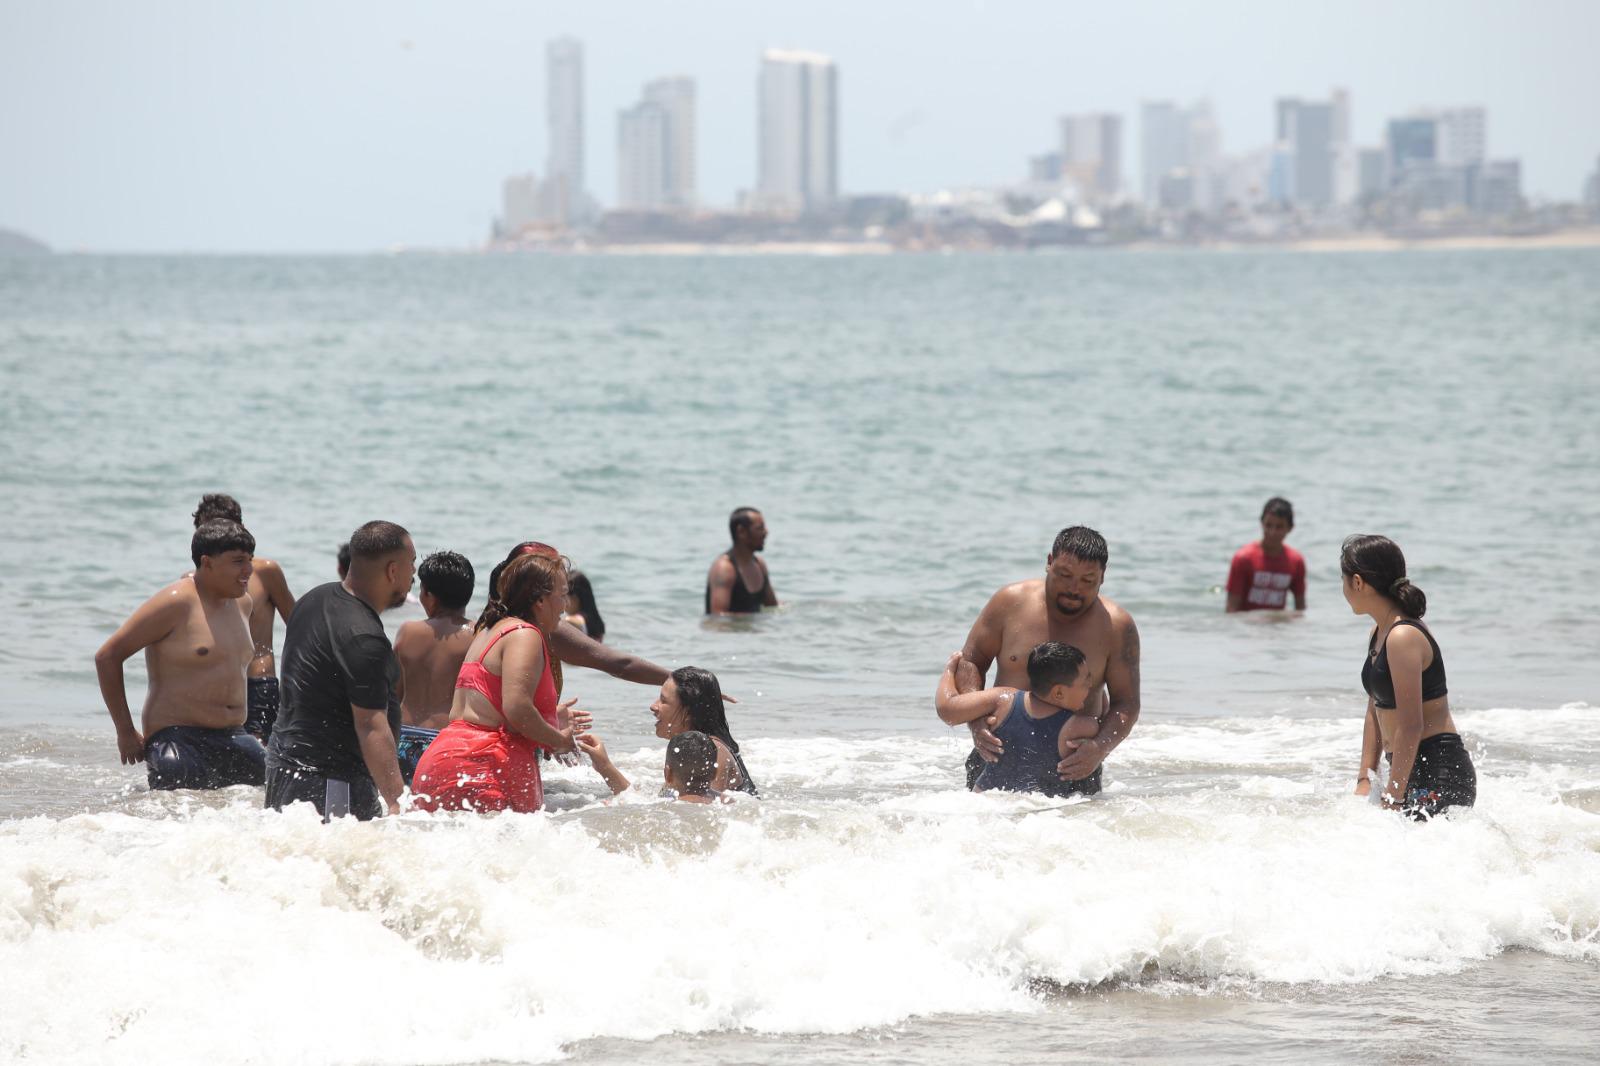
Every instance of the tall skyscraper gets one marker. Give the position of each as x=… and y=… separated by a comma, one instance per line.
x=1315, y=134
x=656, y=148
x=567, y=200
x=1174, y=138
x=1091, y=153
x=1410, y=142
x=799, y=131
x=1462, y=136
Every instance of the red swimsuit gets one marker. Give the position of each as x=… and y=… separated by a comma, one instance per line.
x=469, y=767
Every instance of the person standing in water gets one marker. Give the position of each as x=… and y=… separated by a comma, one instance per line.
x=270, y=598
x=507, y=704
x=1066, y=606
x=738, y=582
x=1408, y=710
x=334, y=745
x=1266, y=571
x=582, y=611
x=196, y=646
x=431, y=651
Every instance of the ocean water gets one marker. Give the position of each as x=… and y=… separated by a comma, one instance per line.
x=915, y=429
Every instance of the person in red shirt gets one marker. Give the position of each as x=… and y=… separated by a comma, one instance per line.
x=1264, y=573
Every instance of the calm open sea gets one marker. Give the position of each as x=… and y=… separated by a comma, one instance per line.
x=915, y=429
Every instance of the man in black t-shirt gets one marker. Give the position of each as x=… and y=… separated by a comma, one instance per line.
x=334, y=742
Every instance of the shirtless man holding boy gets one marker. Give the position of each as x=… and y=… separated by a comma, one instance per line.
x=1066, y=606
x=1036, y=725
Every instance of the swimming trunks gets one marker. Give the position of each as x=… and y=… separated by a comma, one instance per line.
x=186, y=756
x=1442, y=777
x=332, y=797
x=1375, y=677
x=414, y=740
x=741, y=600
x=262, y=707
x=470, y=767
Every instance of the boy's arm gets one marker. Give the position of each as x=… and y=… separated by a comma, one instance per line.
x=152, y=622
x=277, y=587
x=959, y=708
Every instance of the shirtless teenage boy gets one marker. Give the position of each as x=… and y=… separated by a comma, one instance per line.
x=431, y=651
x=1037, y=725
x=269, y=595
x=197, y=648
x=1066, y=606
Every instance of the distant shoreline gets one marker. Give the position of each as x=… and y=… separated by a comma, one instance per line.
x=1585, y=237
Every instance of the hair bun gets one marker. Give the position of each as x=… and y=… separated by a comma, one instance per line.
x=1399, y=583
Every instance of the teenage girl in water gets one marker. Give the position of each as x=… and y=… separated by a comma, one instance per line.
x=1408, y=709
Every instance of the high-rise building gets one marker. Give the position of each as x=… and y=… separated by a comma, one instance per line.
x=1462, y=136
x=1371, y=172
x=799, y=131
x=642, y=151
x=567, y=200
x=1174, y=138
x=1163, y=143
x=519, y=203
x=656, y=148
x=1316, y=135
x=1091, y=153
x=1408, y=143
x=1591, y=191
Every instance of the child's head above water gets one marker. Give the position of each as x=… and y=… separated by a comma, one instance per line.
x=1057, y=675
x=691, y=764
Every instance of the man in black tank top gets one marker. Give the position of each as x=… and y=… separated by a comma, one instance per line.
x=738, y=582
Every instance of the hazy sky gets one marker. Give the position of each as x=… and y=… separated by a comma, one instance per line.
x=308, y=125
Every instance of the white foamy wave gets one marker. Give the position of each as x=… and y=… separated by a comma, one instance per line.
x=206, y=932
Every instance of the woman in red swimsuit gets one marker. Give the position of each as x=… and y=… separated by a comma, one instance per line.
x=506, y=706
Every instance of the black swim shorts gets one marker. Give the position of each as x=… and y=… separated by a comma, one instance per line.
x=186, y=756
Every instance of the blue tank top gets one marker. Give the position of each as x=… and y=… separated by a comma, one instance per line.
x=1031, y=752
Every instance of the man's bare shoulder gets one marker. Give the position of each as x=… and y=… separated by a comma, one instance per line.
x=1017, y=594
x=178, y=594
x=1118, y=615
x=721, y=566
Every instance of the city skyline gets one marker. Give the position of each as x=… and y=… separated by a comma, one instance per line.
x=400, y=122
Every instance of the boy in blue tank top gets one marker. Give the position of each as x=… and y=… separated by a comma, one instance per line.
x=1035, y=726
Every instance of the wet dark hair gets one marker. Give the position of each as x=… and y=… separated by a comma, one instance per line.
x=523, y=582
x=527, y=547
x=217, y=505
x=448, y=576
x=344, y=559
x=741, y=518
x=692, y=761
x=1280, y=507
x=578, y=585
x=1082, y=542
x=701, y=696
x=374, y=540
x=1382, y=564
x=1053, y=663
x=220, y=535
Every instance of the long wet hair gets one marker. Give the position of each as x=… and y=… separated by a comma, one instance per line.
x=1382, y=564
x=701, y=696
x=527, y=547
x=578, y=585
x=521, y=583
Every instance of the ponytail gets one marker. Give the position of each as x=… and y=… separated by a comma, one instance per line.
x=1382, y=564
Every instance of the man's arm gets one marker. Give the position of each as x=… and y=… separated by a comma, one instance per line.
x=977, y=655
x=1122, y=685
x=720, y=581
x=277, y=587
x=576, y=647
x=153, y=621
x=769, y=598
x=378, y=751
x=1240, y=574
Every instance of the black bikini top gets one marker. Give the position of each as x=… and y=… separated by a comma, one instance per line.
x=1375, y=677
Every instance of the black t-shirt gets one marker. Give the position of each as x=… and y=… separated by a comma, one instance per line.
x=335, y=656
